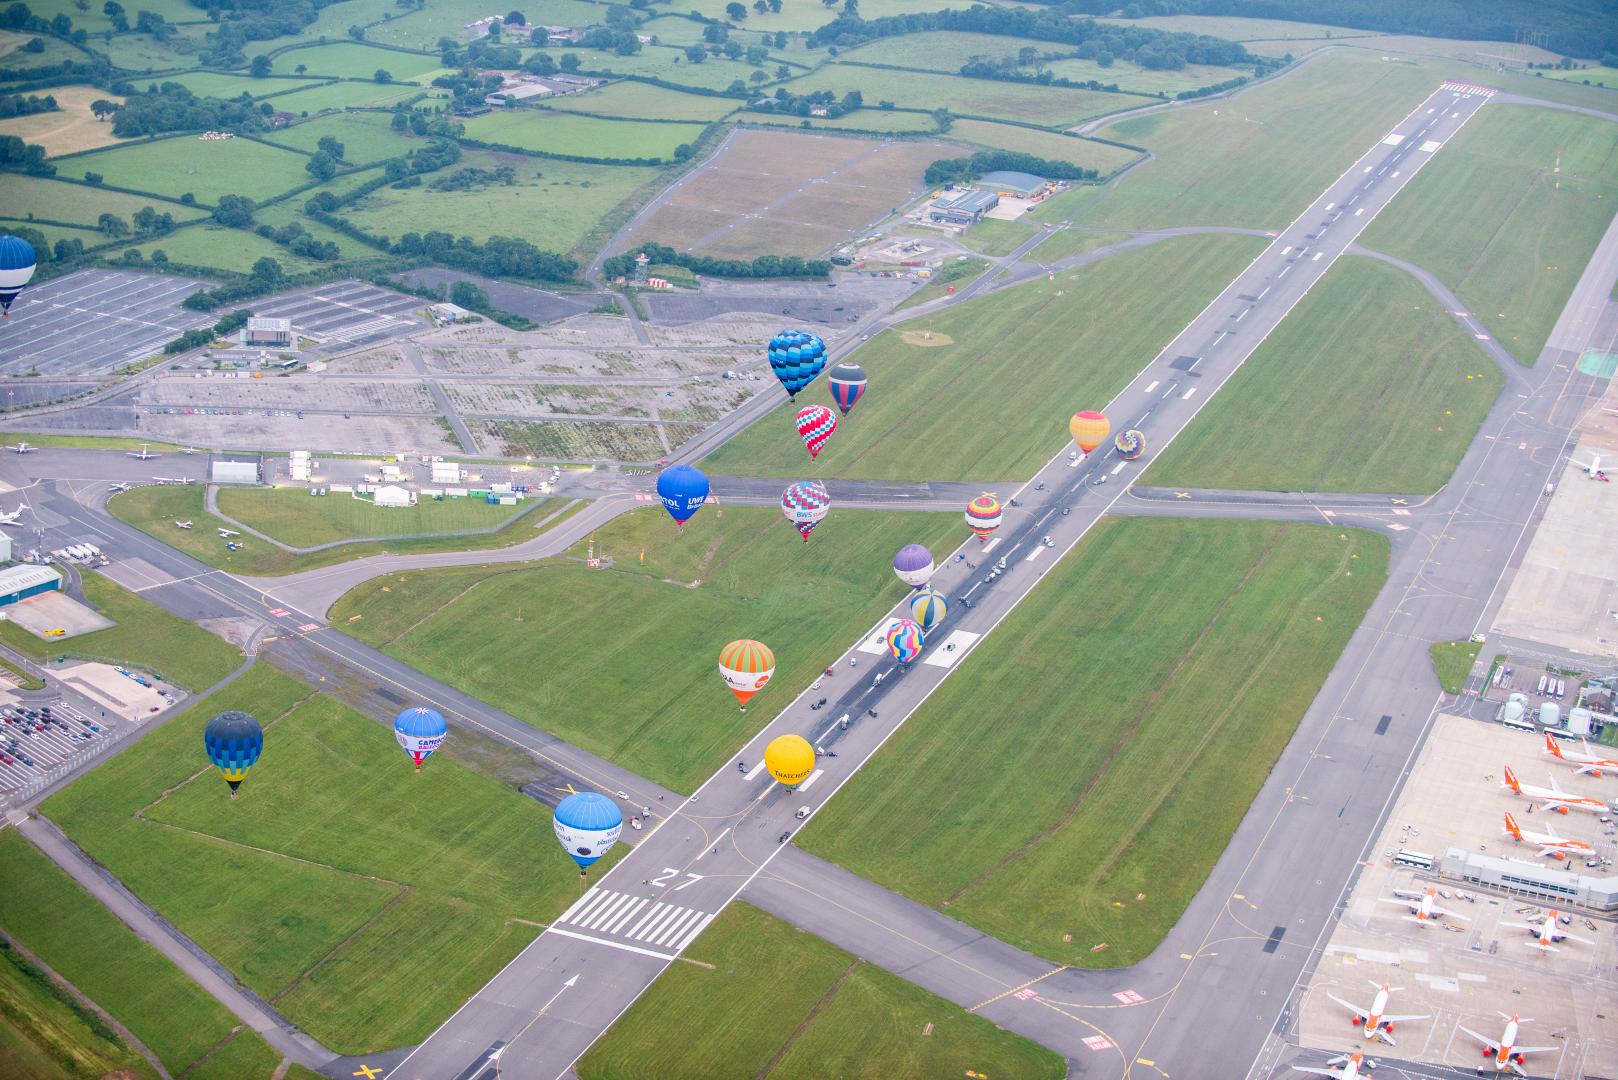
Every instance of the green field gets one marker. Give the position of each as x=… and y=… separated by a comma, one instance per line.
x=765, y=999
x=1046, y=144
x=46, y=1034
x=220, y=85
x=422, y=27
x=956, y=273
x=1100, y=810
x=581, y=136
x=145, y=636
x=227, y=249
x=1233, y=28
x=678, y=727
x=339, y=875
x=884, y=120
x=1452, y=663
x=366, y=137
x=806, y=15
x=1326, y=406
x=1514, y=247
x=643, y=101
x=342, y=95
x=1047, y=106
x=352, y=60
x=206, y=169
x=294, y=517
x=96, y=21
x=59, y=922
x=995, y=238
x=1022, y=361
x=57, y=201
x=667, y=63
x=1594, y=76
x=1065, y=243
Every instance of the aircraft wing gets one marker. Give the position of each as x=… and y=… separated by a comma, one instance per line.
x=1405, y=1019
x=1533, y=1049
x=1406, y=904
x=1484, y=1039
x=1553, y=804
x=1335, y=1074
x=1350, y=1006
x=1450, y=914
x=1414, y=894
x=1574, y=937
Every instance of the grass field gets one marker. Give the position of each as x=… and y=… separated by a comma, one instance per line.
x=294, y=517
x=995, y=237
x=70, y=129
x=667, y=63
x=884, y=120
x=366, y=137
x=642, y=101
x=678, y=727
x=342, y=95
x=1046, y=144
x=1048, y=106
x=1452, y=662
x=145, y=636
x=806, y=15
x=155, y=509
x=956, y=273
x=565, y=440
x=766, y=999
x=206, y=169
x=221, y=85
x=581, y=136
x=59, y=922
x=1101, y=810
x=421, y=28
x=74, y=202
x=1514, y=247
x=1326, y=406
x=1063, y=243
x=1594, y=76
x=227, y=249
x=340, y=862
x=1025, y=358
x=353, y=60
x=46, y=1034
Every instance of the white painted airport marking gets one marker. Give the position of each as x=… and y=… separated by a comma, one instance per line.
x=1244, y=311
x=876, y=644
x=1367, y=168
x=1330, y=205
x=756, y=772
x=1360, y=211
x=992, y=544
x=808, y=780
x=1286, y=249
x=1454, y=115
x=1318, y=254
x=726, y=832
x=1187, y=395
x=1431, y=111
x=1118, y=468
x=1039, y=549
x=1430, y=145
x=612, y=944
x=691, y=934
x=1283, y=273
x=1393, y=140
x=1395, y=175
x=947, y=656
x=1260, y=297
x=1153, y=385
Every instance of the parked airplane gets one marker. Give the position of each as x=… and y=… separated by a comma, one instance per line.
x=116, y=488
x=22, y=448
x=1553, y=797
x=1556, y=847
x=12, y=518
x=172, y=479
x=1508, y=1057
x=226, y=533
x=1423, y=905
x=1346, y=1067
x=1585, y=762
x=1547, y=932
x=182, y=524
x=1378, y=1024
x=1593, y=470
x=143, y=455
x=189, y=450
x=231, y=545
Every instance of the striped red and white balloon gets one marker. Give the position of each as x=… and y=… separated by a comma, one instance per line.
x=815, y=425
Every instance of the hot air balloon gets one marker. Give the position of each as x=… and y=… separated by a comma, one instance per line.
x=796, y=357
x=914, y=565
x=420, y=731
x=983, y=515
x=1130, y=444
x=927, y=608
x=17, y=261
x=683, y=490
x=746, y=666
x=847, y=383
x=815, y=425
x=789, y=758
x=904, y=639
x=234, y=741
x=587, y=823
x=1089, y=428
x=805, y=504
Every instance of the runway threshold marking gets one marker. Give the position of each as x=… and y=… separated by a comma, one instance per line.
x=1015, y=989
x=614, y=944
x=947, y=656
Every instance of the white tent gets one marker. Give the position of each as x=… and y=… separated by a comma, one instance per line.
x=393, y=495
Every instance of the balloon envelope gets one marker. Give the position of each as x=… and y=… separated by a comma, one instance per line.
x=789, y=758
x=1130, y=444
x=904, y=640
x=796, y=357
x=233, y=741
x=914, y=565
x=815, y=425
x=847, y=384
x=1088, y=429
x=587, y=824
x=983, y=514
x=805, y=504
x=683, y=490
x=746, y=665
x=928, y=608
x=17, y=262
x=420, y=731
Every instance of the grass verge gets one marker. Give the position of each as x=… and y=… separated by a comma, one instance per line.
x=1452, y=661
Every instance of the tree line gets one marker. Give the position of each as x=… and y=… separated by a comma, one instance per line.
x=18, y=105
x=966, y=169
x=765, y=266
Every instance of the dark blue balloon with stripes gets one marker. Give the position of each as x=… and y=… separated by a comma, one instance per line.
x=796, y=357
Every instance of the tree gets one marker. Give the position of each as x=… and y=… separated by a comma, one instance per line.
x=92, y=178
x=111, y=8
x=232, y=211
x=467, y=295
x=160, y=257
x=757, y=54
x=515, y=18
x=268, y=271
x=400, y=121
x=61, y=25
x=943, y=119
x=260, y=66
x=321, y=166
x=851, y=7
x=541, y=63
x=775, y=9
x=570, y=61
x=760, y=6
x=188, y=199
x=683, y=152
x=736, y=87
x=330, y=145
x=757, y=77
x=696, y=53
x=381, y=75
x=101, y=108
x=733, y=50
x=782, y=71
x=81, y=6
x=112, y=225
x=67, y=249
x=540, y=37
x=735, y=12
x=357, y=33
x=1026, y=56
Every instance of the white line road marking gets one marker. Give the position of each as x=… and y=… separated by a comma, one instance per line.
x=1187, y=395
x=629, y=913
x=691, y=934
x=613, y=944
x=1395, y=175
x=1118, y=468
x=644, y=919
x=1152, y=385
x=990, y=546
x=1243, y=314
x=1393, y=140
x=1360, y=211
x=1283, y=273
x=1330, y=205
x=876, y=644
x=685, y=918
x=1430, y=146
x=808, y=781
x=1036, y=553
x=568, y=914
x=1367, y=168
x=1318, y=254
x=946, y=657
x=1286, y=249
x=726, y=833
x=655, y=927
x=1260, y=296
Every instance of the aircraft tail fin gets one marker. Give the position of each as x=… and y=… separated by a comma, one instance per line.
x=1511, y=827
x=1551, y=747
x=1511, y=780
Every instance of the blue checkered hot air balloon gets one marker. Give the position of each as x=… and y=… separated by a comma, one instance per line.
x=234, y=741
x=796, y=357
x=17, y=261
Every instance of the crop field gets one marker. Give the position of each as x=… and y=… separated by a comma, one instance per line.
x=221, y=85
x=421, y=28
x=45, y=1034
x=884, y=120
x=1086, y=152
x=802, y=15
x=145, y=636
x=768, y=1000
x=1235, y=28
x=366, y=137
x=356, y=61
x=1330, y=407
x=56, y=920
x=1105, y=829
x=95, y=20
x=581, y=136
x=295, y=517
x=637, y=100
x=338, y=856
x=943, y=50
x=554, y=204
x=1144, y=80
x=1048, y=106
x=1025, y=357
x=226, y=249
x=57, y=201
x=677, y=728
x=1541, y=187
x=207, y=169
x=70, y=129
x=676, y=30
x=667, y=63
x=342, y=95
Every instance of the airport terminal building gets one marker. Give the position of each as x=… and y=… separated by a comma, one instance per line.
x=1530, y=879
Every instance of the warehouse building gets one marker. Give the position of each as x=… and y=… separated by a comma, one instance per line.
x=510, y=95
x=964, y=207
x=268, y=333
x=1530, y=879
x=393, y=495
x=226, y=470
x=21, y=582
x=1016, y=185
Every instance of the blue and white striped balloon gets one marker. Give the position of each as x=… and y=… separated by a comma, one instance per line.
x=17, y=262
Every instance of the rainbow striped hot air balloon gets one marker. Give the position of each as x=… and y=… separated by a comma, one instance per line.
x=928, y=608
x=904, y=639
x=420, y=731
x=815, y=425
x=796, y=357
x=1089, y=429
x=983, y=515
x=805, y=504
x=847, y=384
x=1130, y=444
x=234, y=741
x=746, y=665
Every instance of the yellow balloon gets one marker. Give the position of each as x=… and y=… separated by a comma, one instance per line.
x=789, y=758
x=1089, y=428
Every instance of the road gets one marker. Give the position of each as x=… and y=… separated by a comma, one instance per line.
x=538, y=1015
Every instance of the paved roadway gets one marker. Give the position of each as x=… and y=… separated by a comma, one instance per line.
x=538, y=1015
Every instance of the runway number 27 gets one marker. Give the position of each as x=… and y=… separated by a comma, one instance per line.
x=668, y=875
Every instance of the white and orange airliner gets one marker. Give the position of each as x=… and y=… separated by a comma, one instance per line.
x=1346, y=1067
x=1505, y=1055
x=1423, y=905
x=1376, y=1020
x=1583, y=762
x=1553, y=797
x=1546, y=932
x=1550, y=844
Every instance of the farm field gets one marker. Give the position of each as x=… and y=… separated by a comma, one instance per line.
x=1061, y=352
x=664, y=62
x=1105, y=830
x=353, y=60
x=206, y=169
x=145, y=636
x=95, y=20
x=1131, y=77
x=1595, y=76
x=52, y=233
x=1327, y=407
x=56, y=920
x=366, y=137
x=581, y=136
x=805, y=16
x=71, y=129
x=767, y=999
x=421, y=28
x=678, y=728
x=1049, y=106
x=638, y=100
x=293, y=516
x=1514, y=248
x=45, y=1034
x=338, y=855
x=884, y=120
x=55, y=201
x=945, y=50
x=1236, y=28
x=342, y=95
x=218, y=84
x=1085, y=152
x=224, y=249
